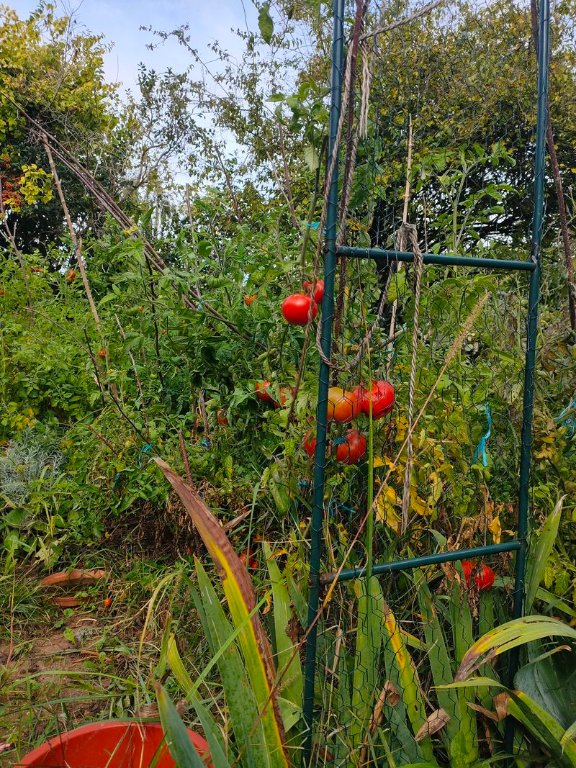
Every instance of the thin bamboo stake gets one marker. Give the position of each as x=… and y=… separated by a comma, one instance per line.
x=77, y=242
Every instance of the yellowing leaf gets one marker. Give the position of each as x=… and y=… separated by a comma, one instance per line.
x=495, y=529
x=385, y=512
x=418, y=504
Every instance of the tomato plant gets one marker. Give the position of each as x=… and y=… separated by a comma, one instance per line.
x=318, y=293
x=483, y=574
x=343, y=406
x=378, y=399
x=299, y=309
x=352, y=447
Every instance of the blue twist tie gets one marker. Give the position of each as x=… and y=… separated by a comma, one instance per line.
x=314, y=225
x=481, y=448
x=337, y=505
x=145, y=449
x=566, y=419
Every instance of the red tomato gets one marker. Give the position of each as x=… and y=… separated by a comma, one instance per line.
x=467, y=567
x=221, y=417
x=483, y=574
x=262, y=393
x=299, y=309
x=107, y=602
x=248, y=561
x=70, y=275
x=484, y=577
x=353, y=449
x=318, y=294
x=102, y=353
x=379, y=399
x=343, y=406
x=249, y=299
x=309, y=443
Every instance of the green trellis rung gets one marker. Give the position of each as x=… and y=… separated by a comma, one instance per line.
x=533, y=266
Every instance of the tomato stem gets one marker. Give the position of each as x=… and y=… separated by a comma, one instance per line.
x=370, y=497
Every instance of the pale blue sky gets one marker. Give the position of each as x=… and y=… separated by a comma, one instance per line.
x=120, y=22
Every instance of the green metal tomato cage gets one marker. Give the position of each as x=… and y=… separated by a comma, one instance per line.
x=333, y=252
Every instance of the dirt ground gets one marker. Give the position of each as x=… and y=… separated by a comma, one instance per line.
x=44, y=688
x=65, y=667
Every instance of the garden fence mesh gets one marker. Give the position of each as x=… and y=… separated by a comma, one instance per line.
x=437, y=148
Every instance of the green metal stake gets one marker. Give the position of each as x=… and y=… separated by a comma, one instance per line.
x=533, y=301
x=532, y=331
x=322, y=408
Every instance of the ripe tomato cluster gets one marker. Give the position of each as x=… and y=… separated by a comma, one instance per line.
x=302, y=308
x=350, y=449
x=376, y=400
x=343, y=406
x=483, y=575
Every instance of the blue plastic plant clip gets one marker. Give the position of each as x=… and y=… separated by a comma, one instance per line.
x=145, y=449
x=568, y=417
x=481, y=448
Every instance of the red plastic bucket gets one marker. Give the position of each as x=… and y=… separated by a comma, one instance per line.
x=112, y=744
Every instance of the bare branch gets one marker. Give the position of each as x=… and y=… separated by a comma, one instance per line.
x=401, y=22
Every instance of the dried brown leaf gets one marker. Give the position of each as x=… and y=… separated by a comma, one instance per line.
x=434, y=723
x=483, y=711
x=75, y=576
x=501, y=705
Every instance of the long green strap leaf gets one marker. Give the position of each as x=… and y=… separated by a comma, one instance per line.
x=177, y=738
x=241, y=604
x=540, y=553
x=545, y=727
x=409, y=683
x=510, y=635
x=369, y=637
x=287, y=662
x=461, y=727
x=239, y=695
